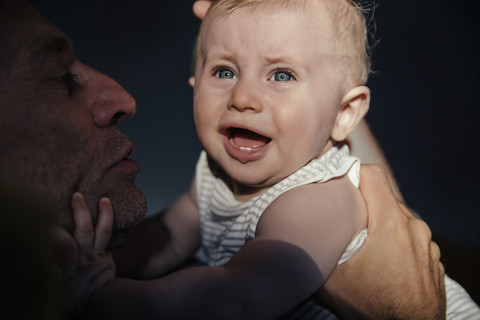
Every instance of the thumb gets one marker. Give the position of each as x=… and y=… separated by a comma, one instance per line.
x=65, y=250
x=378, y=195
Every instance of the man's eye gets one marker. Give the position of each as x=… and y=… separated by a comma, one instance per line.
x=225, y=74
x=282, y=76
x=70, y=82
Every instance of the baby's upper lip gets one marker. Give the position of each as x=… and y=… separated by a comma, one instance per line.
x=230, y=129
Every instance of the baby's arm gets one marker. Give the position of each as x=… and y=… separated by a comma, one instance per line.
x=265, y=279
x=162, y=242
x=322, y=219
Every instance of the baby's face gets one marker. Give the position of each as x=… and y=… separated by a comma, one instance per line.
x=266, y=93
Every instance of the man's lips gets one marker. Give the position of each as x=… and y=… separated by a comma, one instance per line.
x=123, y=161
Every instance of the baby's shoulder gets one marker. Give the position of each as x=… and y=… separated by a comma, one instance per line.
x=321, y=219
x=336, y=201
x=338, y=192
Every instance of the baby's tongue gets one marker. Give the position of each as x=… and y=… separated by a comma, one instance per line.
x=249, y=139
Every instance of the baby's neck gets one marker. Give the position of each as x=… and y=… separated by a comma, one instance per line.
x=244, y=193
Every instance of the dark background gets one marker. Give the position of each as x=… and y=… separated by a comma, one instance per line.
x=425, y=101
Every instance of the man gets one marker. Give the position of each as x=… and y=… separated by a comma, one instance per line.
x=58, y=135
x=59, y=121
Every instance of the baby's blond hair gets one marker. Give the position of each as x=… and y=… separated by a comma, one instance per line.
x=347, y=18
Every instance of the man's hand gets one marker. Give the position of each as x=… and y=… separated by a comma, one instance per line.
x=200, y=8
x=397, y=273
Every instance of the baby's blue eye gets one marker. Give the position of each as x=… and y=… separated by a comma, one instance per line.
x=225, y=74
x=282, y=76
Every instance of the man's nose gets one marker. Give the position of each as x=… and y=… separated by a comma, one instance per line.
x=246, y=96
x=110, y=103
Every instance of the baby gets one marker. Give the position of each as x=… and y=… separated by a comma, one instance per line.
x=274, y=205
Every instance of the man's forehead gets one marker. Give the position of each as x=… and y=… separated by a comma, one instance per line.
x=39, y=54
x=44, y=48
x=29, y=38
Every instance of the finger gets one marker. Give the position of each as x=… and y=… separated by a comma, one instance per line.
x=83, y=233
x=200, y=8
x=191, y=82
x=435, y=253
x=378, y=195
x=437, y=267
x=441, y=272
x=406, y=210
x=421, y=238
x=103, y=231
x=65, y=250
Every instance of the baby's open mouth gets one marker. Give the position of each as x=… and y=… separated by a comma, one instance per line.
x=246, y=140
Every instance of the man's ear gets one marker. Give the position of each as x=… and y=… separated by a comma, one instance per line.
x=191, y=81
x=354, y=106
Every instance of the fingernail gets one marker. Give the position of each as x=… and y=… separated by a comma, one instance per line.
x=104, y=199
x=77, y=195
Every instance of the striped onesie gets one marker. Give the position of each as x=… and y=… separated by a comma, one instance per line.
x=226, y=223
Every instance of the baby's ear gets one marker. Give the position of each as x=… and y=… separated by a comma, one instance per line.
x=355, y=104
x=191, y=81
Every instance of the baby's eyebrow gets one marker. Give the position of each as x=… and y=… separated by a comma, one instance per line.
x=288, y=59
x=219, y=56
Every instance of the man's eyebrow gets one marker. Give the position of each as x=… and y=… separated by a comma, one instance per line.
x=45, y=49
